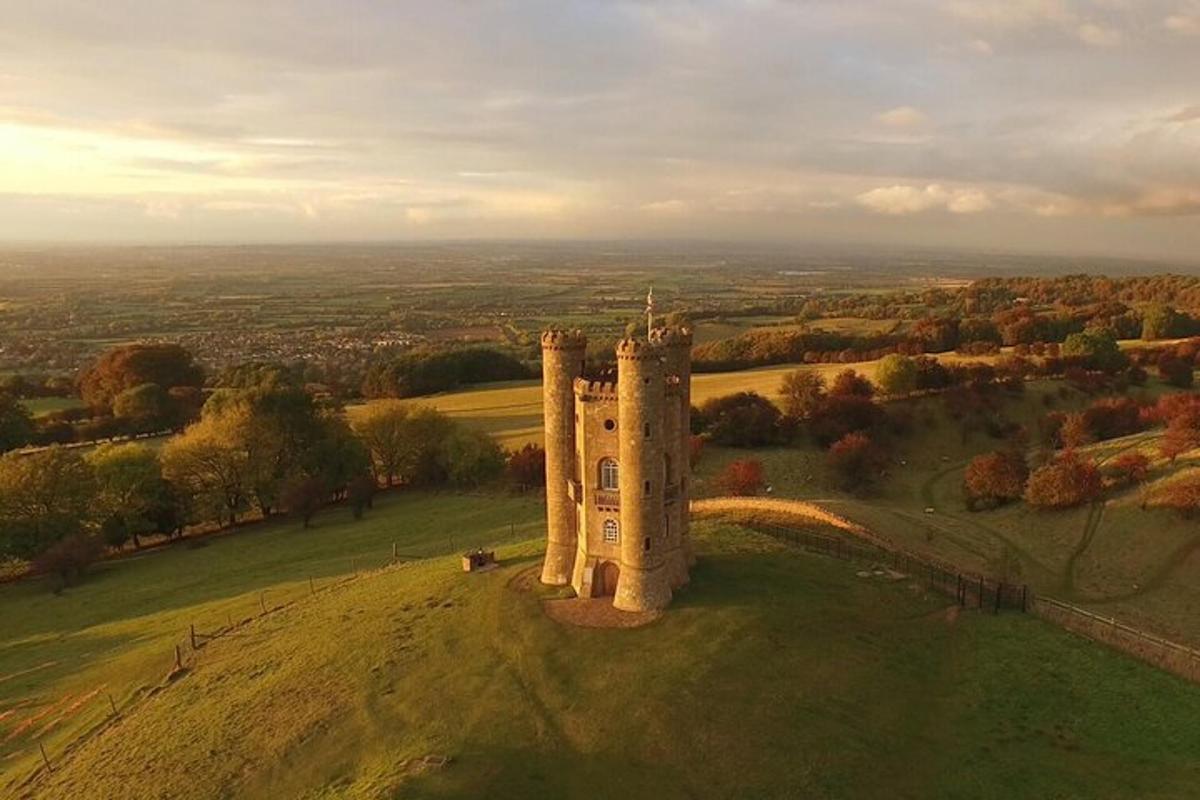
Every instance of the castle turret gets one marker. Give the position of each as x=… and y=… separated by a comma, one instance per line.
x=644, y=582
x=562, y=362
x=676, y=347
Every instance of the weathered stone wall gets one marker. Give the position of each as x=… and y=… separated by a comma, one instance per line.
x=644, y=584
x=595, y=411
x=562, y=363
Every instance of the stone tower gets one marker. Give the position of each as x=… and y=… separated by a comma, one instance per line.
x=617, y=479
x=562, y=362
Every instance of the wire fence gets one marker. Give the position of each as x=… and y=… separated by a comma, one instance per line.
x=179, y=656
x=968, y=589
x=973, y=590
x=1163, y=653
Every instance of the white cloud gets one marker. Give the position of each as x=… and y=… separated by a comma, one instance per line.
x=1098, y=36
x=902, y=200
x=1185, y=23
x=903, y=117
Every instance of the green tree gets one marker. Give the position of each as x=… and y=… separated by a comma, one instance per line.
x=208, y=465
x=803, y=391
x=16, y=423
x=1098, y=349
x=129, y=487
x=382, y=428
x=1159, y=321
x=470, y=458
x=44, y=497
x=145, y=407
x=896, y=375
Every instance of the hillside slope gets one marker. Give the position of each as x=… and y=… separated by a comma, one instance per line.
x=775, y=674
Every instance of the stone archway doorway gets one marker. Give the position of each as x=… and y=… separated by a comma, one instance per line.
x=605, y=582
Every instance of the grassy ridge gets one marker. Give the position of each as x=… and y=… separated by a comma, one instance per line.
x=775, y=674
x=116, y=631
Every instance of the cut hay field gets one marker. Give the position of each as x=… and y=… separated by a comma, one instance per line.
x=512, y=411
x=775, y=674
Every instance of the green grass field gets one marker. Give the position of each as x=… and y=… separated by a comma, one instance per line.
x=1141, y=566
x=40, y=406
x=116, y=632
x=775, y=674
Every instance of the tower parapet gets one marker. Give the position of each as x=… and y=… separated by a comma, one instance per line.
x=562, y=362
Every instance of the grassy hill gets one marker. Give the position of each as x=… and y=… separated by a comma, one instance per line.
x=1140, y=565
x=775, y=674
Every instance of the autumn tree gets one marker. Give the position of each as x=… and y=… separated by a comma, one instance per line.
x=995, y=478
x=849, y=383
x=1176, y=371
x=1065, y=482
x=526, y=468
x=744, y=419
x=1183, y=432
x=166, y=365
x=803, y=391
x=1128, y=469
x=1183, y=496
x=744, y=477
x=856, y=461
x=840, y=415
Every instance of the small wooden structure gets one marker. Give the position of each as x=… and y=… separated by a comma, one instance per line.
x=478, y=560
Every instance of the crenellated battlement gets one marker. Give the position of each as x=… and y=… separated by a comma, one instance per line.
x=563, y=340
x=586, y=389
x=637, y=350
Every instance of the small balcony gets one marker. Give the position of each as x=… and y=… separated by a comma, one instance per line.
x=607, y=499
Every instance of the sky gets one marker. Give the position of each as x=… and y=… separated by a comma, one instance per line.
x=1033, y=125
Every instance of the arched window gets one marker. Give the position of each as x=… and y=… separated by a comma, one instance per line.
x=611, y=531
x=610, y=479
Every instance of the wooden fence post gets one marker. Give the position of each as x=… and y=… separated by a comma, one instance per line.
x=395, y=554
x=193, y=635
x=45, y=760
x=178, y=658
x=311, y=586
x=262, y=601
x=112, y=703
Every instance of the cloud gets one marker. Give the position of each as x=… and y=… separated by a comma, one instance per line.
x=1099, y=36
x=902, y=200
x=903, y=117
x=1188, y=114
x=1185, y=22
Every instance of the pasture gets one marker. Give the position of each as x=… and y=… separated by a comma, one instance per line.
x=775, y=674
